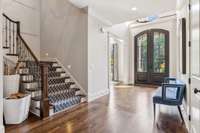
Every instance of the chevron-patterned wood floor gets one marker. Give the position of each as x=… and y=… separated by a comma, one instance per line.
x=125, y=110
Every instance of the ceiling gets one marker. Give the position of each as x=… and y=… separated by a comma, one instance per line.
x=118, y=11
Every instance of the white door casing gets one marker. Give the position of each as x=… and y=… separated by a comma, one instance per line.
x=195, y=66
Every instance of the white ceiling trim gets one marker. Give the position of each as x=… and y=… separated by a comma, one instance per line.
x=80, y=3
x=119, y=11
x=92, y=13
x=161, y=20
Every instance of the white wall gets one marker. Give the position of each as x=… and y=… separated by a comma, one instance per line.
x=64, y=36
x=168, y=24
x=28, y=13
x=97, y=59
x=1, y=75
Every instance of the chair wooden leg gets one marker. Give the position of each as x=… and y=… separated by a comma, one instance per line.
x=154, y=110
x=179, y=109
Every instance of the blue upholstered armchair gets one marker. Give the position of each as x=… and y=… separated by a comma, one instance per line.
x=170, y=93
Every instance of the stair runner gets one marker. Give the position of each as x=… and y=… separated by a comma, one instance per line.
x=63, y=92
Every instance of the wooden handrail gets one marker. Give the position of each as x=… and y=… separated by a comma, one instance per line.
x=10, y=18
x=29, y=49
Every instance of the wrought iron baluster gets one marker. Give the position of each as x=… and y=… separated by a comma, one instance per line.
x=14, y=39
x=17, y=45
x=9, y=27
x=6, y=30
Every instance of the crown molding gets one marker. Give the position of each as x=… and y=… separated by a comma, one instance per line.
x=80, y=3
x=94, y=14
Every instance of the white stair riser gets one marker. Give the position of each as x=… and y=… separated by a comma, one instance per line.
x=35, y=111
x=13, y=59
x=30, y=85
x=78, y=93
x=63, y=75
x=35, y=104
x=22, y=64
x=24, y=71
x=5, y=51
x=72, y=86
x=51, y=112
x=34, y=93
x=59, y=70
x=83, y=100
x=55, y=64
x=67, y=80
x=27, y=78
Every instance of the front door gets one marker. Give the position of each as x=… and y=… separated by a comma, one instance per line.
x=151, y=56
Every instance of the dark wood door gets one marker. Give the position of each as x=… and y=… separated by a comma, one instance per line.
x=151, y=56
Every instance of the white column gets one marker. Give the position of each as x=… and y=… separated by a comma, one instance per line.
x=1, y=74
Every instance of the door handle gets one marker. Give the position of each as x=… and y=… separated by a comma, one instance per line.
x=196, y=91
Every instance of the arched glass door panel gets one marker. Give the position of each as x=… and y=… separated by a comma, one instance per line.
x=142, y=53
x=159, y=52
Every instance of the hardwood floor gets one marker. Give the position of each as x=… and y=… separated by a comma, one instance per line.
x=125, y=110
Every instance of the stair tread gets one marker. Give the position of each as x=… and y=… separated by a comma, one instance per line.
x=33, y=89
x=6, y=47
x=57, y=84
x=29, y=81
x=21, y=61
x=57, y=72
x=23, y=67
x=56, y=67
x=65, y=77
x=81, y=95
x=25, y=74
x=50, y=107
x=50, y=62
x=12, y=54
x=37, y=98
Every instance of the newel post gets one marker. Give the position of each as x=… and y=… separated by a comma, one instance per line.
x=44, y=105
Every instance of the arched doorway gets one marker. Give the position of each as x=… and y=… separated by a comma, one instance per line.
x=151, y=56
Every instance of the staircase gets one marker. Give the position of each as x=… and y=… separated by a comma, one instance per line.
x=49, y=85
x=62, y=91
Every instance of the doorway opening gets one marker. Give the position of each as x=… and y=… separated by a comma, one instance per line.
x=114, y=62
x=115, y=59
x=151, y=56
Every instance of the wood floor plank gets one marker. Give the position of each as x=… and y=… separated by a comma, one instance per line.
x=125, y=110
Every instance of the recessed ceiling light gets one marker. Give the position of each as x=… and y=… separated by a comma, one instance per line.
x=133, y=8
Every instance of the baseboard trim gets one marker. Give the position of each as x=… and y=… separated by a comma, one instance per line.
x=2, y=129
x=94, y=96
x=186, y=120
